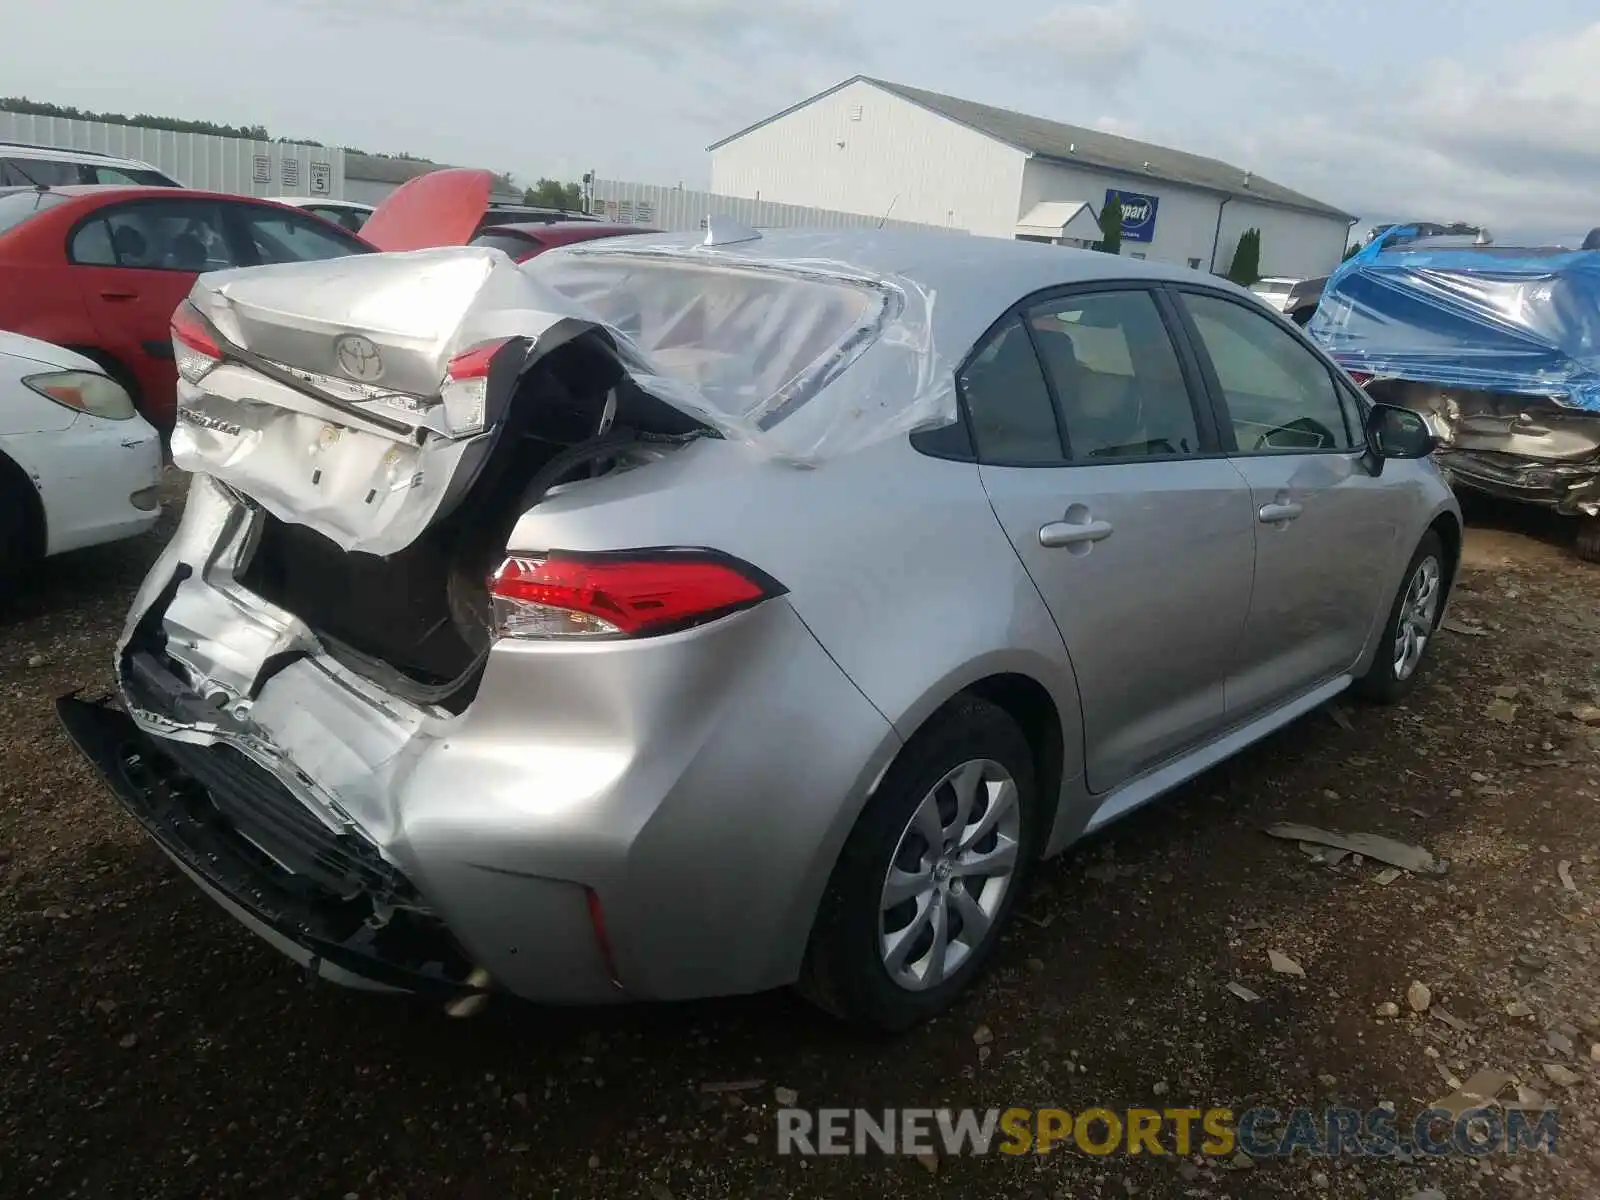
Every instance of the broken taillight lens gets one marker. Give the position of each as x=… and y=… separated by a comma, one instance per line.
x=193, y=345
x=466, y=387
x=564, y=595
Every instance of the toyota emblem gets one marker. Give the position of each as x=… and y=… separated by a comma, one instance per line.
x=358, y=358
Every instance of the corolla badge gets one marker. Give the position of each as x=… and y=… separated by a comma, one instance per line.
x=358, y=358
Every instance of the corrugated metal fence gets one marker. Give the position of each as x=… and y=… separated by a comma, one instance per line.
x=201, y=160
x=251, y=168
x=677, y=209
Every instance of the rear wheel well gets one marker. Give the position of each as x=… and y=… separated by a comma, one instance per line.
x=1026, y=702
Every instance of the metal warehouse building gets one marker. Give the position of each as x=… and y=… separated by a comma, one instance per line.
x=868, y=146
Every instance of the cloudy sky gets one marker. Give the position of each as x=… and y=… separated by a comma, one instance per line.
x=1479, y=110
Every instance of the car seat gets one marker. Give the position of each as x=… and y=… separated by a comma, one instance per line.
x=130, y=246
x=188, y=253
x=1102, y=410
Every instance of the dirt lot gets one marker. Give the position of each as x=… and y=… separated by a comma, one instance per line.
x=149, y=1047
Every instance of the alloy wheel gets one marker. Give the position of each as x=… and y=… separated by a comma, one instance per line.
x=1418, y=613
x=949, y=875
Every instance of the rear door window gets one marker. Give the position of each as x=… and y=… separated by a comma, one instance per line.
x=91, y=245
x=1116, y=376
x=163, y=235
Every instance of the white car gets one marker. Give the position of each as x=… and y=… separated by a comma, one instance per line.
x=25, y=165
x=78, y=466
x=341, y=212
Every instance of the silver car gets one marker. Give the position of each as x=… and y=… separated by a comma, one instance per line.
x=676, y=616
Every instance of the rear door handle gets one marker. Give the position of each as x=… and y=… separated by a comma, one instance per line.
x=1274, y=514
x=113, y=294
x=1073, y=533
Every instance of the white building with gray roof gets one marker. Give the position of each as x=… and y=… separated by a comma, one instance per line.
x=869, y=146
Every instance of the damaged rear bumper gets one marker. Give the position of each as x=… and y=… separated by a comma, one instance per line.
x=323, y=899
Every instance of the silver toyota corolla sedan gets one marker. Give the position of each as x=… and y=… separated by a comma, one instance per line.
x=682, y=616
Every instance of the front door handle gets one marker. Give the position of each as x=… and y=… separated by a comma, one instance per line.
x=1073, y=533
x=1276, y=514
x=113, y=294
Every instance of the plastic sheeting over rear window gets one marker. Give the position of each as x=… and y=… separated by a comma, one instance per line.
x=802, y=360
x=1523, y=321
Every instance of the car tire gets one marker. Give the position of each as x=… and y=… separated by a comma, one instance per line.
x=1417, y=607
x=1587, y=544
x=22, y=534
x=849, y=969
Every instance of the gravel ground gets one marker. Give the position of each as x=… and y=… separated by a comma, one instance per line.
x=149, y=1047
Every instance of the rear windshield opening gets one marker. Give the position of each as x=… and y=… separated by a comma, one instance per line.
x=754, y=341
x=17, y=207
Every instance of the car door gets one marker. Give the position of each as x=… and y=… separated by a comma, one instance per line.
x=1106, y=476
x=134, y=263
x=1326, y=527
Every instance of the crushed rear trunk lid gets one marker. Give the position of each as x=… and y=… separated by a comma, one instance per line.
x=331, y=401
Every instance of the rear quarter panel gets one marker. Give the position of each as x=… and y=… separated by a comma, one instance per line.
x=894, y=562
x=893, y=559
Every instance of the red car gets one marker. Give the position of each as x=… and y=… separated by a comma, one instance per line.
x=99, y=269
x=524, y=239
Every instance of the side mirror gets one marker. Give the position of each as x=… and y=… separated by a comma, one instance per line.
x=1395, y=432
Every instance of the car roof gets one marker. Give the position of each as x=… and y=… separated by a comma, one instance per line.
x=971, y=280
x=325, y=201
x=116, y=191
x=67, y=154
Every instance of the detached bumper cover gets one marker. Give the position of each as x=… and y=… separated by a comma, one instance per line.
x=242, y=835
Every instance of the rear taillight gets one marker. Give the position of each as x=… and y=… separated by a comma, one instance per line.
x=193, y=345
x=1361, y=378
x=626, y=594
x=465, y=391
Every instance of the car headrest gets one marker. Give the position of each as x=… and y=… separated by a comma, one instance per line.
x=129, y=242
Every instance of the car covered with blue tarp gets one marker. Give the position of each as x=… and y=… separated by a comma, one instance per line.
x=1498, y=347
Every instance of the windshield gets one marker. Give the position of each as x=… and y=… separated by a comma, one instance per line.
x=17, y=207
x=754, y=341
